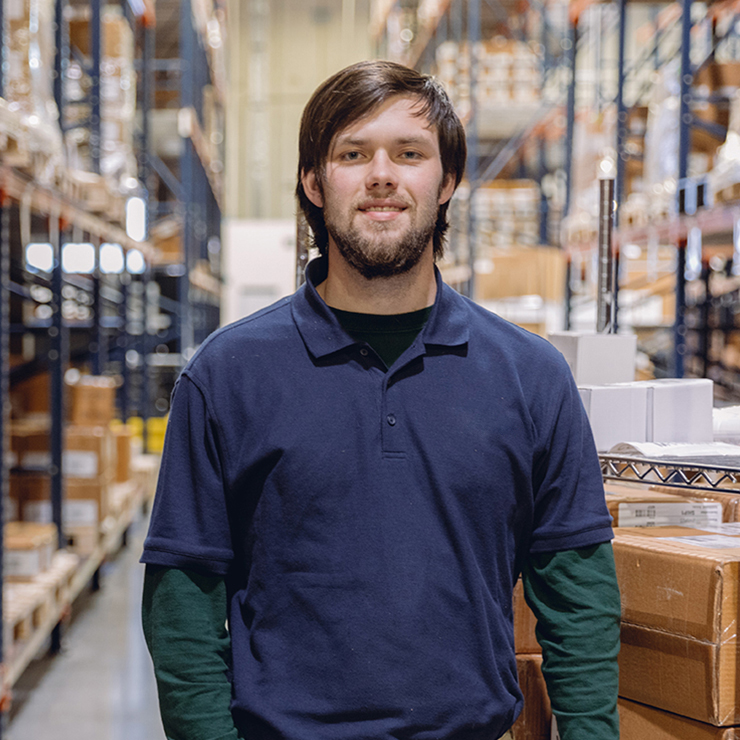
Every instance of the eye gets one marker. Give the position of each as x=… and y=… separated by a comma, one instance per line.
x=352, y=156
x=411, y=155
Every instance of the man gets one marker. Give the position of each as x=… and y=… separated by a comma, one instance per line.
x=356, y=476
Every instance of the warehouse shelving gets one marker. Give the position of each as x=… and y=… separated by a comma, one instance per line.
x=497, y=132
x=698, y=476
x=497, y=137
x=141, y=325
x=716, y=225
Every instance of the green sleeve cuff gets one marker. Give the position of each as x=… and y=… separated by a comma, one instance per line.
x=575, y=597
x=184, y=618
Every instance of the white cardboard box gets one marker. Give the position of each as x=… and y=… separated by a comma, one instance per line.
x=618, y=413
x=678, y=409
x=681, y=410
x=597, y=359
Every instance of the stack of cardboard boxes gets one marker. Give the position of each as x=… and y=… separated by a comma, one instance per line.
x=508, y=72
x=507, y=214
x=96, y=456
x=679, y=660
x=534, y=723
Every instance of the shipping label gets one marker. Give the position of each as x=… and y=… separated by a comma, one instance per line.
x=697, y=514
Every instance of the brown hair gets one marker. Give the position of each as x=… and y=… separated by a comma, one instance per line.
x=356, y=92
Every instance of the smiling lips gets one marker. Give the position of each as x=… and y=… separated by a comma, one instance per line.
x=382, y=210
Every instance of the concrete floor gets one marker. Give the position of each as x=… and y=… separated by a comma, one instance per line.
x=101, y=686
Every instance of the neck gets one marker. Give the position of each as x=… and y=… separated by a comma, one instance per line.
x=347, y=290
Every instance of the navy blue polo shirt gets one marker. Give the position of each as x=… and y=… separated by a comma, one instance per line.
x=371, y=522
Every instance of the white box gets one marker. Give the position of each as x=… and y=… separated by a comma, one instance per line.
x=678, y=409
x=597, y=359
x=618, y=413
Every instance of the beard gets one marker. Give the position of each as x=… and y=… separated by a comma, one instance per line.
x=383, y=254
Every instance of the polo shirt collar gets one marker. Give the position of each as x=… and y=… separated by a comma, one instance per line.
x=323, y=334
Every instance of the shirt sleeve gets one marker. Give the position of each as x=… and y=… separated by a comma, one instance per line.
x=184, y=618
x=575, y=597
x=189, y=527
x=569, y=505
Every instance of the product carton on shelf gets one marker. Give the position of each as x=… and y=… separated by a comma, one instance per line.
x=680, y=597
x=92, y=399
x=522, y=271
x=616, y=413
x=525, y=640
x=642, y=722
x=123, y=435
x=85, y=503
x=642, y=507
x=535, y=721
x=28, y=549
x=88, y=452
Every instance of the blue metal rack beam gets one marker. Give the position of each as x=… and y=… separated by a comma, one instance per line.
x=684, y=144
x=4, y=386
x=474, y=34
x=56, y=372
x=95, y=119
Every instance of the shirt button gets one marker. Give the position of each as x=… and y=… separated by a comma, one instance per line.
x=391, y=419
x=364, y=352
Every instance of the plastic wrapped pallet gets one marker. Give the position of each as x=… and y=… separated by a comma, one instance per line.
x=508, y=72
x=724, y=179
x=117, y=98
x=28, y=87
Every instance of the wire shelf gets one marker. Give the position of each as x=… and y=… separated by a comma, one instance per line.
x=671, y=473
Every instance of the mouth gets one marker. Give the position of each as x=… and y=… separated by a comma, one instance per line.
x=382, y=211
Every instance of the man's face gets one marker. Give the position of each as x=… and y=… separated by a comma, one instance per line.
x=381, y=190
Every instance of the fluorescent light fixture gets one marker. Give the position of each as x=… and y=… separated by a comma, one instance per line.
x=135, y=262
x=136, y=218
x=39, y=257
x=78, y=258
x=111, y=259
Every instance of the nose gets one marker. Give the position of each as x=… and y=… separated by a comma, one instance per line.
x=382, y=173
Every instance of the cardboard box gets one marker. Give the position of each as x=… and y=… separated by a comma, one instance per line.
x=535, y=721
x=525, y=640
x=598, y=359
x=680, y=589
x=88, y=451
x=680, y=410
x=642, y=722
x=635, y=507
x=123, y=436
x=730, y=502
x=92, y=400
x=85, y=503
x=28, y=549
x=617, y=413
x=82, y=539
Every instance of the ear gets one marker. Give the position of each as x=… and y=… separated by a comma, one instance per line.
x=311, y=188
x=448, y=188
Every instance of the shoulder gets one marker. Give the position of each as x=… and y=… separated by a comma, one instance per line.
x=530, y=353
x=233, y=345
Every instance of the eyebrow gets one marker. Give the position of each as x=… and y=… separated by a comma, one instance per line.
x=357, y=141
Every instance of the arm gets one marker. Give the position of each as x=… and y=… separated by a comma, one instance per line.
x=184, y=616
x=575, y=597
